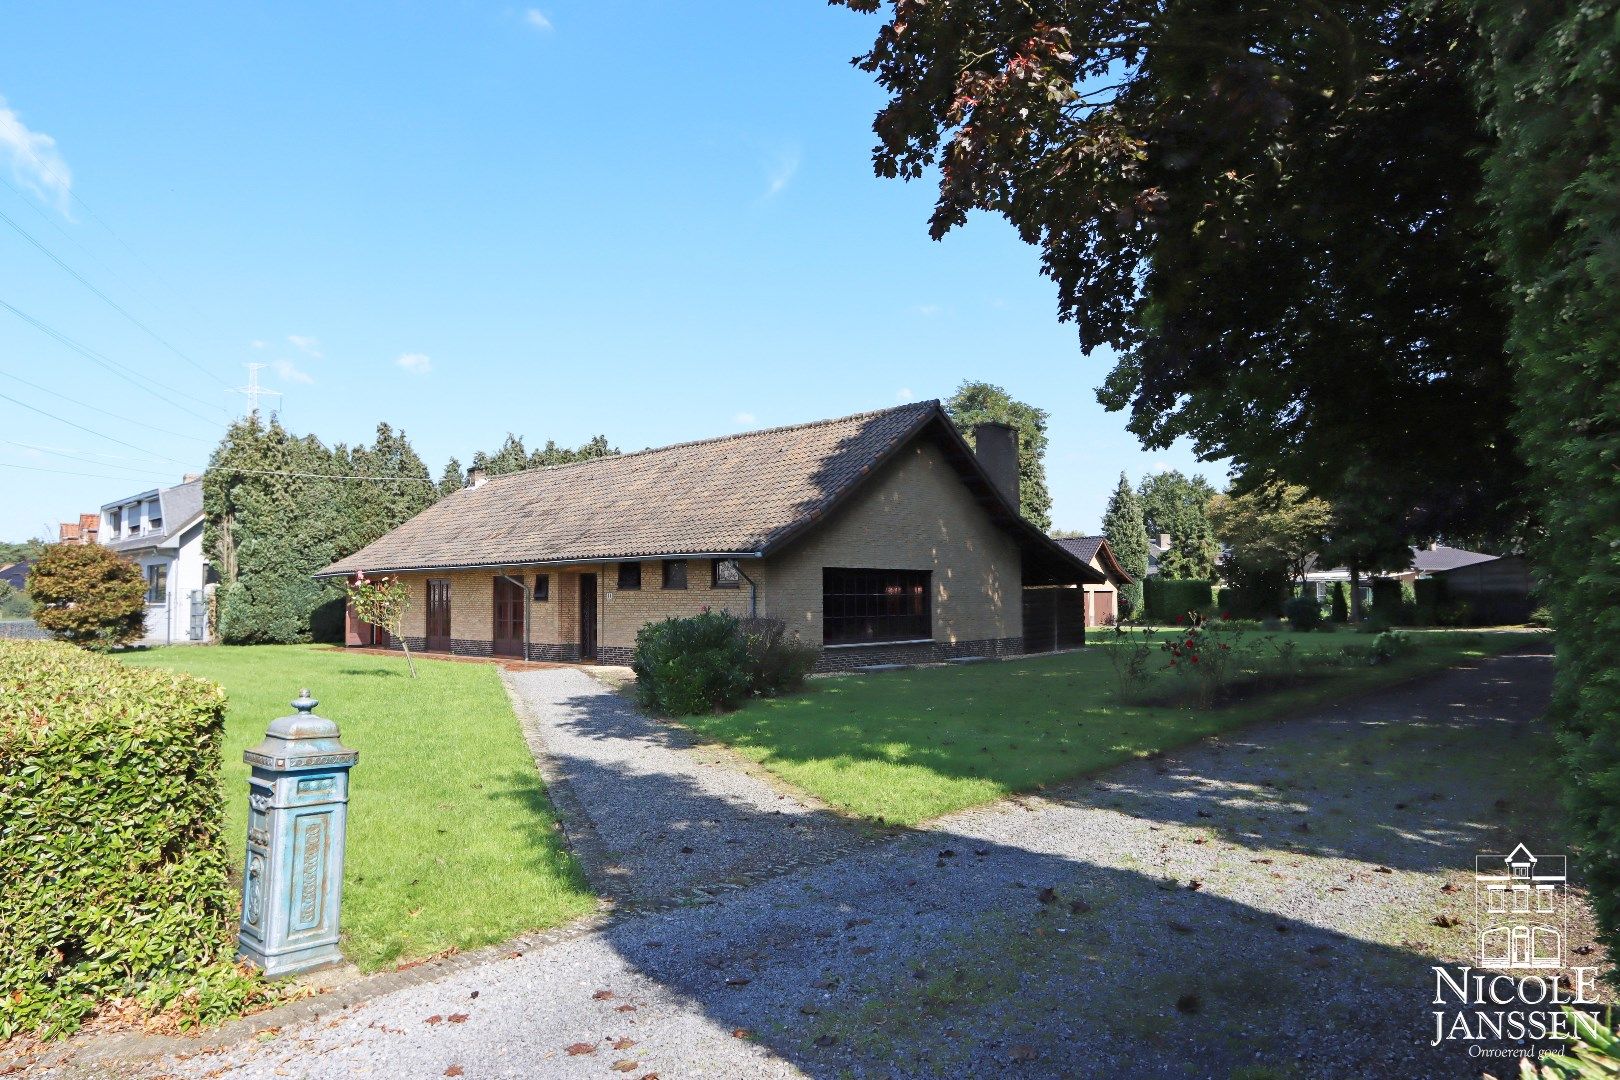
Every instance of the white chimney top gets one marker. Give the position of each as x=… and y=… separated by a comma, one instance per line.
x=475, y=477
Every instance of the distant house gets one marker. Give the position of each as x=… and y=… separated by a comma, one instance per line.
x=1157, y=546
x=161, y=531
x=15, y=574
x=1495, y=587
x=1102, y=599
x=877, y=538
x=83, y=531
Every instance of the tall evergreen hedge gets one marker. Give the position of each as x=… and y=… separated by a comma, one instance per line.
x=1552, y=97
x=111, y=852
x=1167, y=598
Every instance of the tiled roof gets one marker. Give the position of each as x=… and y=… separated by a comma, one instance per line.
x=1081, y=547
x=181, y=505
x=738, y=495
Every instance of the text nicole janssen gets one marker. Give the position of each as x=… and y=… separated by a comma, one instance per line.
x=1488, y=1005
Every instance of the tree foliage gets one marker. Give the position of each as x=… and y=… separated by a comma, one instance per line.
x=1179, y=505
x=1127, y=535
x=1552, y=93
x=981, y=402
x=513, y=456
x=1276, y=527
x=89, y=595
x=383, y=601
x=1268, y=211
x=278, y=507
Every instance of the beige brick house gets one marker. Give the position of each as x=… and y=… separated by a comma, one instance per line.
x=1101, y=600
x=880, y=537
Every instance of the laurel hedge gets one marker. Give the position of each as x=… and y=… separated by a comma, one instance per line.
x=1165, y=598
x=111, y=854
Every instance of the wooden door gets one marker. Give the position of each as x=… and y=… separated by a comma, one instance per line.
x=509, y=603
x=438, y=615
x=587, y=616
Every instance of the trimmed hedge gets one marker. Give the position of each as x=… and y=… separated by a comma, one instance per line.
x=714, y=661
x=1165, y=598
x=111, y=810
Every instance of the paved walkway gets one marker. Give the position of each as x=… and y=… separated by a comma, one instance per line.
x=1261, y=901
x=653, y=814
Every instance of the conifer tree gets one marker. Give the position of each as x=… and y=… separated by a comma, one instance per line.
x=1127, y=535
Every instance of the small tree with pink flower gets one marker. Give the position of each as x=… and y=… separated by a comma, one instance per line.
x=383, y=601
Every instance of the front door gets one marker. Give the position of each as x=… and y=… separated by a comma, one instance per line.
x=587, y=616
x=438, y=615
x=508, y=617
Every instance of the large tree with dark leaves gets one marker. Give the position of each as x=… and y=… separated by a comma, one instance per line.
x=1268, y=211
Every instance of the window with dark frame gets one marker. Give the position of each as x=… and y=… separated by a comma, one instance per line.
x=674, y=573
x=868, y=605
x=157, y=583
x=629, y=575
x=727, y=575
x=542, y=586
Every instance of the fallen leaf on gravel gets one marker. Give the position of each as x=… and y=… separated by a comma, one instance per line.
x=1024, y=1052
x=826, y=984
x=687, y=850
x=1450, y=887
x=947, y=854
x=1205, y=813
x=741, y=1033
x=851, y=924
x=457, y=1018
x=1078, y=907
x=1382, y=870
x=1266, y=861
x=580, y=1048
x=454, y=1070
x=1168, y=883
x=1303, y=826
x=1180, y=927
x=649, y=1076
x=473, y=994
x=1189, y=1003
x=1194, y=885
x=826, y=1040
x=863, y=950
x=1447, y=921
x=624, y=1044
x=1200, y=839
x=1047, y=895
x=738, y=980
x=601, y=995
x=981, y=852
x=810, y=1010
x=1583, y=950
x=1282, y=928
x=434, y=1019
x=626, y=1066
x=625, y=1008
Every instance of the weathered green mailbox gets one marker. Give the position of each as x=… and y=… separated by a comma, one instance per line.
x=298, y=803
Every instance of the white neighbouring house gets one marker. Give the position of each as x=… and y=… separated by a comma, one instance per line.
x=161, y=531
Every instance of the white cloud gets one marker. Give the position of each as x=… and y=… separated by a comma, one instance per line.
x=537, y=20
x=415, y=362
x=291, y=372
x=306, y=345
x=257, y=344
x=779, y=174
x=745, y=419
x=1160, y=467
x=35, y=163
x=904, y=395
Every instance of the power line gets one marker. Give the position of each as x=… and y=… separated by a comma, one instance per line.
x=69, y=472
x=88, y=456
x=103, y=412
x=128, y=374
x=323, y=476
x=69, y=237
x=92, y=431
x=109, y=301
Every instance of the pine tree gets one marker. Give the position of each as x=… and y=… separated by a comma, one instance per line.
x=453, y=480
x=1179, y=505
x=1127, y=535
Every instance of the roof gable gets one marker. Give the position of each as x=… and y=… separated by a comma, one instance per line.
x=742, y=495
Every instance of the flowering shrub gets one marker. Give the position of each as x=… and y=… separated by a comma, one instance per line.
x=383, y=601
x=1204, y=653
x=1131, y=656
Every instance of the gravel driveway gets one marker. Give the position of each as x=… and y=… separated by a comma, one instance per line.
x=1259, y=906
x=651, y=813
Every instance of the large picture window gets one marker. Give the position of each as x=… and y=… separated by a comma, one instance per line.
x=874, y=605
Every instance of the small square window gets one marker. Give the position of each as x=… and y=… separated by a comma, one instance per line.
x=727, y=575
x=542, y=586
x=674, y=573
x=629, y=575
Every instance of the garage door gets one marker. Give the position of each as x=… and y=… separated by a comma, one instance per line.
x=1054, y=618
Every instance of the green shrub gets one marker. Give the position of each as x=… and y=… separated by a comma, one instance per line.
x=1166, y=598
x=1428, y=596
x=110, y=846
x=1389, y=601
x=694, y=665
x=1541, y=617
x=1339, y=611
x=1303, y=612
x=89, y=595
x=1272, y=625
x=777, y=663
x=14, y=604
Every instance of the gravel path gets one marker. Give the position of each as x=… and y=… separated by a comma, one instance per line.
x=653, y=814
x=1257, y=902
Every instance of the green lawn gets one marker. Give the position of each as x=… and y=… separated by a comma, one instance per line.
x=451, y=837
x=903, y=747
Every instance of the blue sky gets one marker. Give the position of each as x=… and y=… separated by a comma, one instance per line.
x=652, y=220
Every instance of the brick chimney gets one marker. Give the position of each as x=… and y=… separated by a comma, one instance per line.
x=1164, y=541
x=475, y=477
x=996, y=445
